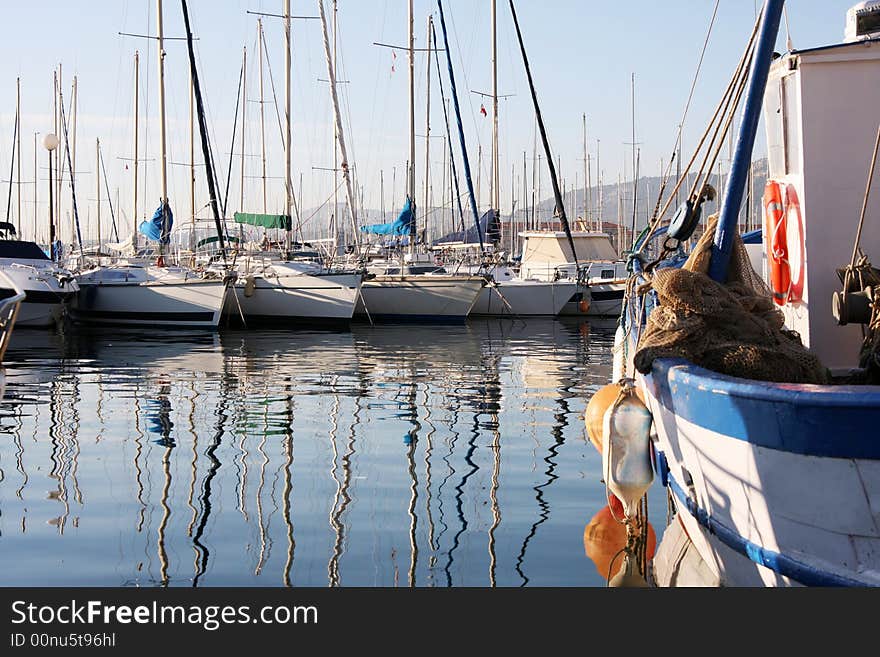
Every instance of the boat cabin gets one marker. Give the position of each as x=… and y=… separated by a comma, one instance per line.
x=546, y=255
x=821, y=118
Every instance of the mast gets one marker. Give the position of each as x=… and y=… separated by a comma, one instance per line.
x=163, y=158
x=18, y=147
x=496, y=190
x=346, y=173
x=134, y=214
x=560, y=204
x=243, y=121
x=587, y=188
x=192, y=165
x=428, y=121
x=36, y=186
x=288, y=186
x=262, y=102
x=334, y=215
x=98, y=190
x=411, y=172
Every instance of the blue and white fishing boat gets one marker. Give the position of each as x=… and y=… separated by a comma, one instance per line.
x=775, y=482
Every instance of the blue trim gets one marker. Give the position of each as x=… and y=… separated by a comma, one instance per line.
x=753, y=237
x=828, y=421
x=776, y=561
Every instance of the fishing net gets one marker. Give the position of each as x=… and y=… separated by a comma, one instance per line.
x=733, y=328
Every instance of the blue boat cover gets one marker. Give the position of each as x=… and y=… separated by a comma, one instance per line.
x=403, y=225
x=490, y=229
x=152, y=229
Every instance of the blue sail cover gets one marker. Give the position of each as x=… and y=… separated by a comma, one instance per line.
x=403, y=225
x=152, y=229
x=490, y=230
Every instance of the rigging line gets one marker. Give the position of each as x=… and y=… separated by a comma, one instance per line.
x=232, y=147
x=560, y=204
x=464, y=155
x=293, y=196
x=109, y=199
x=70, y=166
x=446, y=121
x=203, y=131
x=12, y=168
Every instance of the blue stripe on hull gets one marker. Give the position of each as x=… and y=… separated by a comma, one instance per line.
x=829, y=421
x=778, y=562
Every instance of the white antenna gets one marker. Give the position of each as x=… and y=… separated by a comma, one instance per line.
x=788, y=45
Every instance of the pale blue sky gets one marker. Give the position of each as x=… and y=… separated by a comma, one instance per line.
x=582, y=55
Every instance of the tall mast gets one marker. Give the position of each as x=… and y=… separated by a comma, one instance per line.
x=587, y=182
x=334, y=215
x=36, y=185
x=262, y=111
x=18, y=147
x=163, y=168
x=98, y=187
x=496, y=192
x=411, y=189
x=243, y=121
x=192, y=164
x=599, y=222
x=288, y=186
x=428, y=121
x=134, y=214
x=346, y=171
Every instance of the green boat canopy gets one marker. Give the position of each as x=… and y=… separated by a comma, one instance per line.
x=281, y=221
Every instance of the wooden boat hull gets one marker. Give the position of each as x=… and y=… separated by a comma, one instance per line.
x=775, y=484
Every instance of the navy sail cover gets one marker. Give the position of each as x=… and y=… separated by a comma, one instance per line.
x=153, y=228
x=490, y=229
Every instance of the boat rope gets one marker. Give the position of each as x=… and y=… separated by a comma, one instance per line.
x=855, y=252
x=12, y=170
x=722, y=109
x=70, y=166
x=232, y=147
x=109, y=197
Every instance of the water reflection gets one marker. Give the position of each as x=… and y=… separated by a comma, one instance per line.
x=379, y=456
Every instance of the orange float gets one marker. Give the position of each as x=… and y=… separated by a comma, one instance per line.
x=605, y=537
x=600, y=402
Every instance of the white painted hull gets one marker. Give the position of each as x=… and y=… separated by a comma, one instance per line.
x=193, y=303
x=46, y=298
x=419, y=297
x=818, y=514
x=524, y=298
x=298, y=298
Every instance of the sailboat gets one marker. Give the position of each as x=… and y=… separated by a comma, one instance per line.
x=144, y=293
x=411, y=286
x=293, y=285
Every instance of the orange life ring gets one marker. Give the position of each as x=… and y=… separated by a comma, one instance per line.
x=795, y=241
x=776, y=240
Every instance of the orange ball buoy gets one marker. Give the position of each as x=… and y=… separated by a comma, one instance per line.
x=584, y=306
x=605, y=537
x=600, y=402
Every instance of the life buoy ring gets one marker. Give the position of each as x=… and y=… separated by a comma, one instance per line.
x=794, y=234
x=776, y=240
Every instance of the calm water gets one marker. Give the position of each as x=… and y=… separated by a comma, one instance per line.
x=386, y=456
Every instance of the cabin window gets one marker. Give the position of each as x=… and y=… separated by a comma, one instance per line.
x=868, y=22
x=607, y=273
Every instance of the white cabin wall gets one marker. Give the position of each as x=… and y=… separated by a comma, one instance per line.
x=840, y=94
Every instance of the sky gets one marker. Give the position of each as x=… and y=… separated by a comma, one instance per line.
x=583, y=56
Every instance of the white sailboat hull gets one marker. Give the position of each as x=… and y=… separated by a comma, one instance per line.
x=169, y=302
x=523, y=298
x=415, y=298
x=297, y=298
x=603, y=300
x=46, y=298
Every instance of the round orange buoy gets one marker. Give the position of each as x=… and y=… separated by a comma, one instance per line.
x=584, y=306
x=599, y=403
x=160, y=261
x=605, y=537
